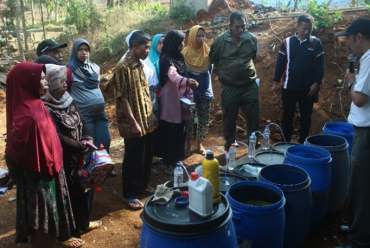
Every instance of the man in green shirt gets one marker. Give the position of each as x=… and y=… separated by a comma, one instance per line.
x=232, y=53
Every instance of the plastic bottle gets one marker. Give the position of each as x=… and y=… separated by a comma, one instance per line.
x=232, y=157
x=211, y=172
x=200, y=195
x=252, y=145
x=178, y=175
x=266, y=138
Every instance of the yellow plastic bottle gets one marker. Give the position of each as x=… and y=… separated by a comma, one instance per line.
x=211, y=172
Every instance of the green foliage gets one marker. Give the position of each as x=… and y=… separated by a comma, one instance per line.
x=182, y=13
x=321, y=15
x=83, y=16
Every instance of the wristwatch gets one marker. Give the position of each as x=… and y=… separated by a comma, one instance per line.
x=350, y=84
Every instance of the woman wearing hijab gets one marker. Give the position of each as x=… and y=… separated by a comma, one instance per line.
x=74, y=135
x=176, y=85
x=200, y=68
x=155, y=53
x=86, y=93
x=34, y=157
x=152, y=74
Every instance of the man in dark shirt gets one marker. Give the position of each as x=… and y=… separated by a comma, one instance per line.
x=301, y=62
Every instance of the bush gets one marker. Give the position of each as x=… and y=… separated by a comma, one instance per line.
x=321, y=15
x=83, y=16
x=182, y=13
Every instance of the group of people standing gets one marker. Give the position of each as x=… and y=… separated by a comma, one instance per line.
x=55, y=115
x=149, y=82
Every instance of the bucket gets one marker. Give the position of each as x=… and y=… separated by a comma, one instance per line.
x=340, y=167
x=282, y=146
x=316, y=162
x=295, y=183
x=343, y=129
x=168, y=226
x=257, y=226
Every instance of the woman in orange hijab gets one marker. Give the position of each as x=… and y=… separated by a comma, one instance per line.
x=34, y=158
x=199, y=68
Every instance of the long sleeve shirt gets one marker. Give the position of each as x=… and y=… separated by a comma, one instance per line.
x=301, y=63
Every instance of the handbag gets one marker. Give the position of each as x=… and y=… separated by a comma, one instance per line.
x=93, y=173
x=185, y=103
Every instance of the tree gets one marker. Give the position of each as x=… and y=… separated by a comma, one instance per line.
x=24, y=26
x=20, y=46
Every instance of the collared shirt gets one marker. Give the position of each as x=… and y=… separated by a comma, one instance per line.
x=234, y=62
x=300, y=63
x=130, y=83
x=360, y=117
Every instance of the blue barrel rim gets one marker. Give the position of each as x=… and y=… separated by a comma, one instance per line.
x=287, y=187
x=336, y=148
x=329, y=125
x=261, y=210
x=310, y=161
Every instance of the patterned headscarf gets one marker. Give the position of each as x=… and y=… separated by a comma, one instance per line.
x=54, y=75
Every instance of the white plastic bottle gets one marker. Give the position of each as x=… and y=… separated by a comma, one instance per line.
x=178, y=175
x=232, y=157
x=266, y=138
x=200, y=195
x=252, y=145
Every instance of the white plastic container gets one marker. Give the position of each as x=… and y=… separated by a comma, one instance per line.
x=200, y=195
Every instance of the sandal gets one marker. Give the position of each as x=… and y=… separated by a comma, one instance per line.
x=132, y=203
x=187, y=152
x=148, y=191
x=72, y=242
x=95, y=224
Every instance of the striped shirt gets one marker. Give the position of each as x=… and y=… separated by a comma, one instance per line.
x=300, y=63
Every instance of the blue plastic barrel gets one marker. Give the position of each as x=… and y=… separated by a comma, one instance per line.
x=316, y=162
x=295, y=184
x=340, y=167
x=168, y=226
x=343, y=129
x=257, y=226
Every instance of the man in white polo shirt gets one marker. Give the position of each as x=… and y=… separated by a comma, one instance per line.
x=358, y=42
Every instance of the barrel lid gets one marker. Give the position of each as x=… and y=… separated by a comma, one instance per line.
x=268, y=158
x=175, y=221
x=239, y=170
x=229, y=179
x=282, y=146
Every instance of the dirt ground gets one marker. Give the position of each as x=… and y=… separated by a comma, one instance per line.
x=121, y=226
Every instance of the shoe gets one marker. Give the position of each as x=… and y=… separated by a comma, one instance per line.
x=344, y=228
x=148, y=191
x=134, y=204
x=72, y=242
x=344, y=246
